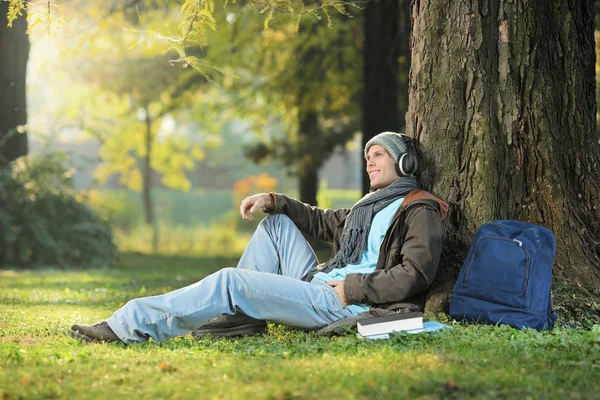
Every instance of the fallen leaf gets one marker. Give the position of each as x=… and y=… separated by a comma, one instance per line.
x=451, y=385
x=163, y=366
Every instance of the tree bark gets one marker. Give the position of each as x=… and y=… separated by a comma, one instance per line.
x=380, y=71
x=147, y=178
x=14, y=53
x=403, y=61
x=502, y=104
x=308, y=171
x=309, y=187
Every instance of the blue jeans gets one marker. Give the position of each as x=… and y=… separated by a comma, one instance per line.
x=265, y=285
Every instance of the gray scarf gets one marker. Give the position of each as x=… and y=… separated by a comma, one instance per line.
x=358, y=223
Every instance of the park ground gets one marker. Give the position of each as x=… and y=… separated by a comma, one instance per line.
x=38, y=361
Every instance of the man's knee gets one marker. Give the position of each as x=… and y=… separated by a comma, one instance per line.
x=273, y=220
x=228, y=275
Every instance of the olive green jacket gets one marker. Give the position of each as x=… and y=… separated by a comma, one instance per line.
x=408, y=258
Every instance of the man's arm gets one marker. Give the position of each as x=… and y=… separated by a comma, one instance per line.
x=314, y=221
x=420, y=259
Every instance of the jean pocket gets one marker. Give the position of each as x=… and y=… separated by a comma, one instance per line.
x=335, y=303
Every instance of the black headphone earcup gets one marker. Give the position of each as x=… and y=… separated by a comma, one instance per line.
x=408, y=163
x=415, y=163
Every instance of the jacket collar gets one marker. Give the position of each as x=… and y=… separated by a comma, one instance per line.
x=418, y=194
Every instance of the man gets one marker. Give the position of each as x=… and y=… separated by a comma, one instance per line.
x=386, y=253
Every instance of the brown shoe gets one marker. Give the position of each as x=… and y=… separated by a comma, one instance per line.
x=95, y=333
x=227, y=325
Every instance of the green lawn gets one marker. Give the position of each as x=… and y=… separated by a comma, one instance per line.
x=38, y=361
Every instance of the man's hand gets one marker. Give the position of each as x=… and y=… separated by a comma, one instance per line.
x=255, y=203
x=339, y=289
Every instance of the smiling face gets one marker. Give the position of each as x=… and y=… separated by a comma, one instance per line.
x=381, y=167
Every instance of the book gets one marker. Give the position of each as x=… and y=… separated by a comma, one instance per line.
x=429, y=326
x=390, y=323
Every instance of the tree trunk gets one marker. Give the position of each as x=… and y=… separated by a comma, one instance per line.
x=502, y=104
x=308, y=166
x=14, y=52
x=147, y=178
x=380, y=71
x=147, y=185
x=309, y=187
x=403, y=61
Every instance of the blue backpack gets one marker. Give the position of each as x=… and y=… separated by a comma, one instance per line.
x=506, y=277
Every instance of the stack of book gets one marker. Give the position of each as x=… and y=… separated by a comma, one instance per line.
x=382, y=327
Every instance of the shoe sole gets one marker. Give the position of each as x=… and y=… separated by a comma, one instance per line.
x=80, y=336
x=244, y=330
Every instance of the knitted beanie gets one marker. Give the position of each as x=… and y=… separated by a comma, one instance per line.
x=392, y=142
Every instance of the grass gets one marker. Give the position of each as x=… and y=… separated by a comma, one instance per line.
x=38, y=361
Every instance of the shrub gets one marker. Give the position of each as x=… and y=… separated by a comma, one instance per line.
x=121, y=208
x=42, y=223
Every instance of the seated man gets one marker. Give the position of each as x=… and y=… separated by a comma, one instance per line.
x=386, y=252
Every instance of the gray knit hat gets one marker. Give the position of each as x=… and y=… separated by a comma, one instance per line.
x=392, y=142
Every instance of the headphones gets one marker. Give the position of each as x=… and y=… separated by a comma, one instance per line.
x=408, y=162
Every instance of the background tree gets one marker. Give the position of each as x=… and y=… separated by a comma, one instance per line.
x=125, y=77
x=314, y=143
x=502, y=103
x=14, y=52
x=320, y=81
x=298, y=89
x=381, y=48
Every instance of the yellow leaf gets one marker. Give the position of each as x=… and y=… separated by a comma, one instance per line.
x=198, y=153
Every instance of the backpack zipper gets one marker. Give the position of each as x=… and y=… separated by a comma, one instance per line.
x=515, y=241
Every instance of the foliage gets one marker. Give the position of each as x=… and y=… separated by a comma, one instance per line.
x=125, y=62
x=285, y=78
x=34, y=14
x=328, y=198
x=198, y=222
x=197, y=207
x=197, y=19
x=173, y=208
x=120, y=208
x=212, y=240
x=38, y=361
x=225, y=163
x=199, y=15
x=253, y=184
x=41, y=222
x=128, y=81
x=261, y=183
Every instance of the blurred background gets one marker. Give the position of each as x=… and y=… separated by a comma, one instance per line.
x=139, y=125
x=148, y=121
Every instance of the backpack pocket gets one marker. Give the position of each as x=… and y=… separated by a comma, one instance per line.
x=500, y=265
x=506, y=277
